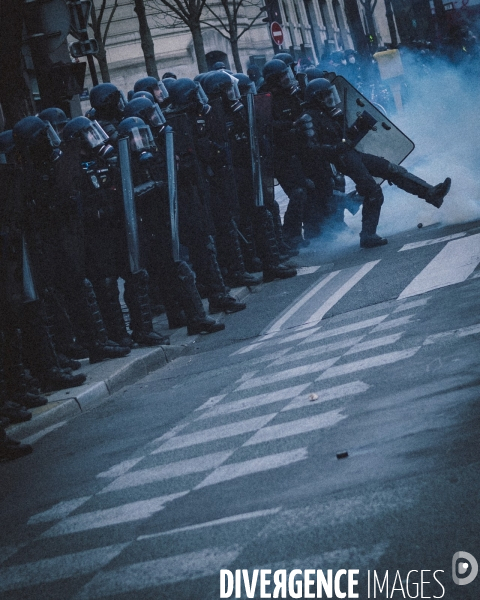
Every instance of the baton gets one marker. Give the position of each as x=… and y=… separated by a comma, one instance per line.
x=345, y=91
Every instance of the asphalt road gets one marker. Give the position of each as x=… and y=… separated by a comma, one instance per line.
x=227, y=457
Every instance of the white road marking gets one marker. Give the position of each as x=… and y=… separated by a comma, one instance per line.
x=375, y=343
x=307, y=270
x=254, y=401
x=399, y=322
x=439, y=240
x=154, y=573
x=211, y=402
x=344, y=329
x=368, y=363
x=339, y=294
x=215, y=433
x=120, y=469
x=412, y=304
x=297, y=427
x=299, y=303
x=339, y=391
x=462, y=332
x=126, y=513
x=58, y=511
x=225, y=521
x=300, y=335
x=334, y=347
x=171, y=433
x=199, y=464
x=289, y=373
x=57, y=568
x=31, y=439
x=256, y=465
x=453, y=264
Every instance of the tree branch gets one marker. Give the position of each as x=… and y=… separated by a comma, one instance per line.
x=109, y=22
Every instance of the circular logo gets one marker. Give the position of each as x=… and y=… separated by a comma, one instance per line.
x=462, y=562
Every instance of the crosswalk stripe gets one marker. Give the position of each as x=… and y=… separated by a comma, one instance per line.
x=303, y=300
x=334, y=347
x=461, y=332
x=211, y=402
x=375, y=343
x=254, y=401
x=58, y=511
x=446, y=238
x=215, y=433
x=255, y=465
x=57, y=568
x=453, y=264
x=339, y=391
x=368, y=363
x=288, y=374
x=399, y=322
x=412, y=304
x=133, y=511
x=344, y=329
x=225, y=521
x=339, y=294
x=154, y=573
x=198, y=464
x=31, y=439
x=120, y=469
x=297, y=427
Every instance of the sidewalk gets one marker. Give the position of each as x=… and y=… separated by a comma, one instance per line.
x=107, y=377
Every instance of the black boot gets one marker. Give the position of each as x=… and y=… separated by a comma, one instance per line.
x=284, y=248
x=268, y=249
x=138, y=302
x=294, y=216
x=370, y=218
x=197, y=320
x=96, y=338
x=205, y=264
x=15, y=375
x=247, y=241
x=11, y=449
x=230, y=256
x=108, y=297
x=39, y=353
x=418, y=187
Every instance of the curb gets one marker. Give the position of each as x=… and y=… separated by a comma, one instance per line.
x=106, y=378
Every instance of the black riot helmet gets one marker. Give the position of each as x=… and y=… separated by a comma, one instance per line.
x=287, y=59
x=142, y=94
x=278, y=75
x=7, y=146
x=56, y=117
x=108, y=101
x=324, y=94
x=148, y=111
x=186, y=94
x=245, y=84
x=91, y=135
x=152, y=85
x=37, y=140
x=140, y=137
x=220, y=84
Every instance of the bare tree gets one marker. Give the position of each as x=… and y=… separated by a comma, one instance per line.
x=146, y=39
x=101, y=34
x=227, y=24
x=175, y=13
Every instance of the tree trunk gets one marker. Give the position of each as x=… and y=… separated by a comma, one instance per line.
x=102, y=63
x=148, y=47
x=198, y=47
x=236, y=54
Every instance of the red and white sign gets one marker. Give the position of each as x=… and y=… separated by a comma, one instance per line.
x=277, y=33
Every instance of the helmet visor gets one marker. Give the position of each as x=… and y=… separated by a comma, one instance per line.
x=141, y=138
x=201, y=95
x=162, y=93
x=94, y=135
x=52, y=135
x=155, y=117
x=329, y=97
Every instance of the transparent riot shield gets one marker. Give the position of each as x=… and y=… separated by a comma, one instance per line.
x=368, y=128
x=263, y=118
x=172, y=190
x=254, y=151
x=128, y=196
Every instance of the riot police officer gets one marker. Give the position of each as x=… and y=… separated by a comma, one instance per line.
x=322, y=107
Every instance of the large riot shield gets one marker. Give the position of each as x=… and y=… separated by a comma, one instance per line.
x=368, y=128
x=172, y=190
x=264, y=128
x=128, y=195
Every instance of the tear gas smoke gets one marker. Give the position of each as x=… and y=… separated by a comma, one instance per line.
x=441, y=116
